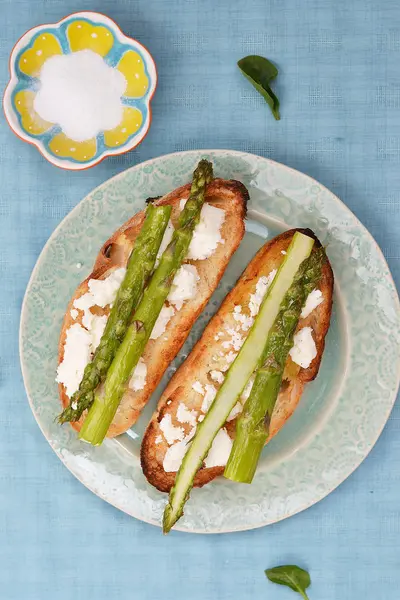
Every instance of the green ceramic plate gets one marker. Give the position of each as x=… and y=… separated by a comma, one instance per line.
x=340, y=415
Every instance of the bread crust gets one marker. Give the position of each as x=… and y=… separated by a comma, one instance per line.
x=232, y=197
x=202, y=359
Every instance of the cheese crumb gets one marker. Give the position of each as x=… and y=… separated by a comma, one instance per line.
x=77, y=354
x=138, y=379
x=207, y=233
x=197, y=387
x=167, y=237
x=174, y=455
x=314, y=299
x=159, y=439
x=210, y=393
x=184, y=415
x=184, y=286
x=261, y=289
x=217, y=376
x=171, y=433
x=304, y=349
x=220, y=450
x=166, y=314
x=74, y=313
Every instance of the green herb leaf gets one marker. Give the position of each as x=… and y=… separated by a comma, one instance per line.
x=260, y=71
x=291, y=576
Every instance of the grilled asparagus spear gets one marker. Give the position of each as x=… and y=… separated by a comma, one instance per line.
x=106, y=402
x=139, y=268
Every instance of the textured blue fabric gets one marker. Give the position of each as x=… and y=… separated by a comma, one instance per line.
x=339, y=86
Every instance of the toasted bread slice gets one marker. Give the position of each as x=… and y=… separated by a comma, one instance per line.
x=206, y=357
x=232, y=197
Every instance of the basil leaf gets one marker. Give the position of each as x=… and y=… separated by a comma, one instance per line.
x=293, y=577
x=260, y=71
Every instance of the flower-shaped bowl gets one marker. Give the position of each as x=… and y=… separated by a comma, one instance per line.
x=79, y=31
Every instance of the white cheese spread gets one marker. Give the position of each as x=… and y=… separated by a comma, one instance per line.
x=184, y=415
x=210, y=393
x=77, y=354
x=171, y=433
x=220, y=450
x=166, y=314
x=304, y=349
x=138, y=378
x=314, y=299
x=167, y=237
x=184, y=286
x=207, y=233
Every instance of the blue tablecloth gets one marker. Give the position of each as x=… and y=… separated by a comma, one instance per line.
x=339, y=86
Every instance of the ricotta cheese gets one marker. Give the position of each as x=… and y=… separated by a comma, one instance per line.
x=184, y=286
x=210, y=393
x=261, y=289
x=167, y=237
x=207, y=233
x=217, y=376
x=77, y=354
x=304, y=349
x=138, y=378
x=220, y=450
x=166, y=314
x=175, y=453
x=314, y=299
x=171, y=433
x=184, y=415
x=197, y=387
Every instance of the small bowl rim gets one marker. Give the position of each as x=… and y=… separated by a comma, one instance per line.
x=66, y=164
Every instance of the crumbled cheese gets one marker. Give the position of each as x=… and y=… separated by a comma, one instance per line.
x=209, y=396
x=101, y=291
x=229, y=358
x=314, y=299
x=184, y=415
x=167, y=237
x=197, y=387
x=171, y=433
x=236, y=410
x=217, y=376
x=74, y=313
x=174, y=455
x=201, y=418
x=207, y=233
x=77, y=354
x=138, y=378
x=96, y=329
x=220, y=450
x=236, y=340
x=159, y=439
x=283, y=252
x=261, y=289
x=304, y=349
x=166, y=314
x=184, y=286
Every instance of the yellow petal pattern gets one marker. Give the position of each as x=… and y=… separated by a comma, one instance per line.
x=131, y=66
x=131, y=122
x=30, y=120
x=64, y=147
x=44, y=46
x=84, y=36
